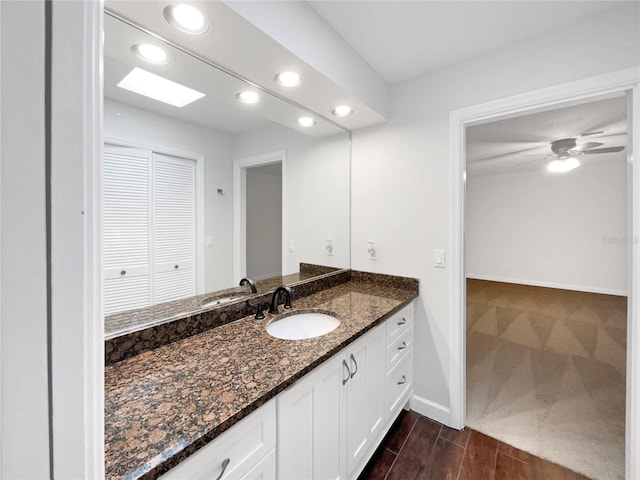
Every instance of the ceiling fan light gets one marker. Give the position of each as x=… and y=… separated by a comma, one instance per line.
x=563, y=165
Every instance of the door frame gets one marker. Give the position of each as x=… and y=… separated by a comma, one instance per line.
x=615, y=83
x=240, y=167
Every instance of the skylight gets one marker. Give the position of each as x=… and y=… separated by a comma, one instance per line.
x=159, y=88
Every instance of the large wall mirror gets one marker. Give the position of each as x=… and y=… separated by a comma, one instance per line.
x=198, y=196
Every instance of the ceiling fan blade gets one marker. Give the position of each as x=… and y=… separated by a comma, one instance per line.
x=586, y=146
x=603, y=150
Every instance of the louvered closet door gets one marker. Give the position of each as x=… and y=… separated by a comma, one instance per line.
x=174, y=227
x=127, y=182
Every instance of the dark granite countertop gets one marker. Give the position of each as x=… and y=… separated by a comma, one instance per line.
x=164, y=404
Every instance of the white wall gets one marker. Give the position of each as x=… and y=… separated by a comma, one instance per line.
x=125, y=122
x=316, y=191
x=563, y=231
x=24, y=386
x=264, y=221
x=400, y=188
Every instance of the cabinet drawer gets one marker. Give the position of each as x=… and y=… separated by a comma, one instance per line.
x=399, y=347
x=400, y=382
x=264, y=470
x=399, y=322
x=244, y=445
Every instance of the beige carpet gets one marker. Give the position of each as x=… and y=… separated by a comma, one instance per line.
x=546, y=373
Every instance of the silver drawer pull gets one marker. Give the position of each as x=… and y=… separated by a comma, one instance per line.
x=403, y=321
x=402, y=380
x=225, y=463
x=345, y=380
x=402, y=346
x=355, y=370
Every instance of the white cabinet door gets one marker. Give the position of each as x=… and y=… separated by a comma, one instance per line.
x=311, y=425
x=365, y=395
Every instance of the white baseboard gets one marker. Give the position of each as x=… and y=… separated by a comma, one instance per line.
x=563, y=286
x=430, y=409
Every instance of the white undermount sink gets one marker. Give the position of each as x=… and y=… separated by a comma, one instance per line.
x=303, y=325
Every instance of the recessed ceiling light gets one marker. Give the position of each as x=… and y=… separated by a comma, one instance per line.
x=288, y=79
x=248, y=96
x=150, y=53
x=159, y=88
x=306, y=121
x=563, y=165
x=186, y=18
x=342, y=111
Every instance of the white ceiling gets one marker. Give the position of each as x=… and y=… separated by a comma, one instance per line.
x=403, y=39
x=523, y=143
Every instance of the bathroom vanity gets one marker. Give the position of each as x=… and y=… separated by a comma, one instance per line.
x=235, y=402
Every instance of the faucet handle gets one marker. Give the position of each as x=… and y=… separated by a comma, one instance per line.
x=259, y=314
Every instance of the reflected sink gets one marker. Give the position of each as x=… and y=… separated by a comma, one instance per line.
x=303, y=325
x=220, y=301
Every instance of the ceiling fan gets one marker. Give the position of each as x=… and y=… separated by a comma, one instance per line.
x=565, y=151
x=568, y=147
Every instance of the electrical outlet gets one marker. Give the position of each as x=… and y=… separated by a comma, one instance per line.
x=372, y=250
x=329, y=247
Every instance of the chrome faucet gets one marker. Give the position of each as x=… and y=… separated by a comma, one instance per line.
x=287, y=299
x=251, y=283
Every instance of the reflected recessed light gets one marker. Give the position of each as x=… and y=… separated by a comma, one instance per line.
x=159, y=88
x=563, y=165
x=342, y=111
x=288, y=79
x=150, y=53
x=248, y=96
x=186, y=18
x=306, y=121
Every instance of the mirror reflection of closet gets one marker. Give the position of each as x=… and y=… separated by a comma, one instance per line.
x=171, y=222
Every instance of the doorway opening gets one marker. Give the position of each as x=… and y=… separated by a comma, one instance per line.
x=547, y=284
x=259, y=216
x=573, y=93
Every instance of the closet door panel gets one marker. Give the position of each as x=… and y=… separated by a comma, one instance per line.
x=127, y=226
x=174, y=187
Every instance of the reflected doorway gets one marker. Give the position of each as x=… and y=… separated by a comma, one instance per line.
x=263, y=203
x=259, y=216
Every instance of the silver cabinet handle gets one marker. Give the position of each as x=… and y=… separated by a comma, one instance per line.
x=402, y=346
x=402, y=380
x=353, y=359
x=225, y=463
x=345, y=380
x=403, y=321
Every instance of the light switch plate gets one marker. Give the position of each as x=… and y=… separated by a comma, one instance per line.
x=438, y=258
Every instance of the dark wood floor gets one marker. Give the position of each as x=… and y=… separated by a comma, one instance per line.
x=417, y=448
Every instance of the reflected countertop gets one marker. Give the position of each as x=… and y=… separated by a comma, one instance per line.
x=164, y=404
